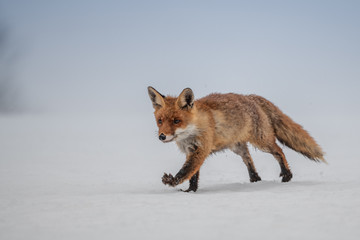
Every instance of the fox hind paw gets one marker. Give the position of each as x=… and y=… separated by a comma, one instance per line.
x=254, y=177
x=286, y=176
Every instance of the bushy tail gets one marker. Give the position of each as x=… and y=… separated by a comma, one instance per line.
x=289, y=132
x=295, y=137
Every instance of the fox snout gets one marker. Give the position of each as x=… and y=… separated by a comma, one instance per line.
x=166, y=138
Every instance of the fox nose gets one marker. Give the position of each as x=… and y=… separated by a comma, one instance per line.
x=162, y=137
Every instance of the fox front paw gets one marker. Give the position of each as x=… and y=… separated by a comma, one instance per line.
x=168, y=179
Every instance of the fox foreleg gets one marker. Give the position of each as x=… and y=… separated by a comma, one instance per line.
x=193, y=183
x=190, y=170
x=169, y=179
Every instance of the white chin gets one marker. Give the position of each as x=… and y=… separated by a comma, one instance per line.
x=168, y=139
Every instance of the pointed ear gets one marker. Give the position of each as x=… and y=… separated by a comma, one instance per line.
x=186, y=99
x=156, y=98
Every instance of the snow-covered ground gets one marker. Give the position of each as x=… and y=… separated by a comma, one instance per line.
x=99, y=177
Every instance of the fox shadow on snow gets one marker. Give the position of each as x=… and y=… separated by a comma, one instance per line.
x=272, y=186
x=254, y=187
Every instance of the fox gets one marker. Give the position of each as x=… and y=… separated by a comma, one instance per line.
x=218, y=122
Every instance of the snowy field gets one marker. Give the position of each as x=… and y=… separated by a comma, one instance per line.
x=99, y=177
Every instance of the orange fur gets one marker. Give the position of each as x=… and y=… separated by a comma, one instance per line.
x=227, y=121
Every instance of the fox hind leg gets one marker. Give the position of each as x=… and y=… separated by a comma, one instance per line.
x=285, y=169
x=242, y=150
x=278, y=154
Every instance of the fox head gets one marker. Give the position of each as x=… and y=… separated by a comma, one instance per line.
x=173, y=115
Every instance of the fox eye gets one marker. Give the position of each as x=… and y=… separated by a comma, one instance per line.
x=160, y=121
x=177, y=121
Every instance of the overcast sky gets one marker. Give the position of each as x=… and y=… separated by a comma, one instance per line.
x=101, y=55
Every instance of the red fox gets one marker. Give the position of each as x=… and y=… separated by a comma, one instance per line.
x=227, y=121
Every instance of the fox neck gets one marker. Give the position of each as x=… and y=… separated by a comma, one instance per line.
x=188, y=132
x=187, y=138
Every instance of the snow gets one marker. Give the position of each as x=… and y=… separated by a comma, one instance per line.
x=99, y=177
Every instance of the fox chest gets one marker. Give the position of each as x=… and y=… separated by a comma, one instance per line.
x=188, y=145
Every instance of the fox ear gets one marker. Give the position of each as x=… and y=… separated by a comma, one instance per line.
x=186, y=99
x=156, y=98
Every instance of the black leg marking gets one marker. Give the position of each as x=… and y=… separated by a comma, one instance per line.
x=193, y=183
x=285, y=173
x=242, y=150
x=254, y=177
x=280, y=157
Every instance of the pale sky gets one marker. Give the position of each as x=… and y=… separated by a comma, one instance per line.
x=101, y=55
